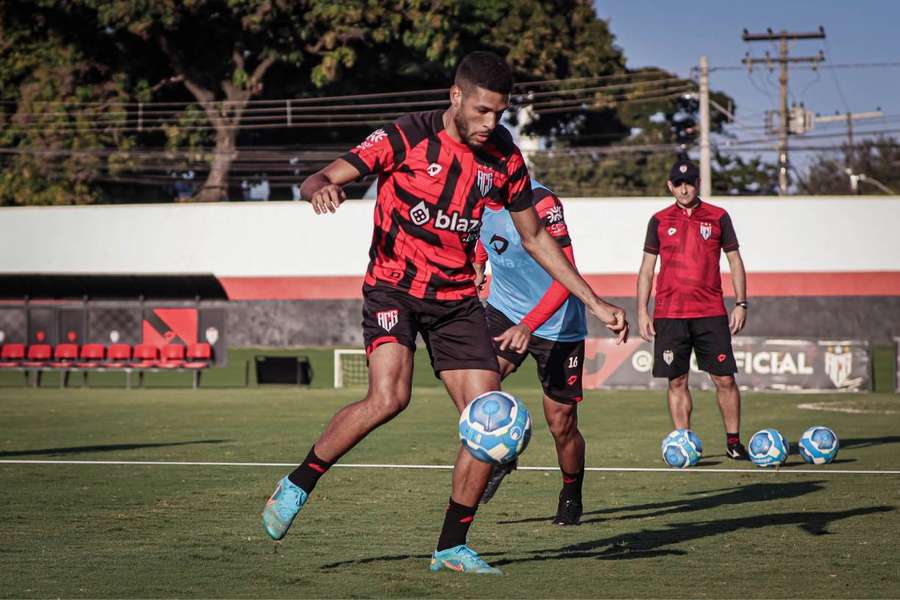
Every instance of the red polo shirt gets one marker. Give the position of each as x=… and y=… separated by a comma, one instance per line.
x=689, y=284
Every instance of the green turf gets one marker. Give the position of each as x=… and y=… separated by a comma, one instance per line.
x=194, y=531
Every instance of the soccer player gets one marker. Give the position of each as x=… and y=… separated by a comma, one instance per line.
x=435, y=171
x=690, y=314
x=530, y=313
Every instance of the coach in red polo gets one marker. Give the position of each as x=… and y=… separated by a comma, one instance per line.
x=689, y=312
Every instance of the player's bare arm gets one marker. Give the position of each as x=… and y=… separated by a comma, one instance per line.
x=324, y=188
x=644, y=287
x=545, y=250
x=738, y=316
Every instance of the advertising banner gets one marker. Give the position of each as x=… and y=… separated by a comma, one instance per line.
x=764, y=364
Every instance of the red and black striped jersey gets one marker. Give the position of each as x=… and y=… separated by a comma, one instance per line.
x=689, y=284
x=431, y=193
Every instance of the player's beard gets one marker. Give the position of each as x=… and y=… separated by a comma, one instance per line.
x=462, y=126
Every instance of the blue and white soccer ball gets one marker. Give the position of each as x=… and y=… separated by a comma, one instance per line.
x=768, y=448
x=818, y=445
x=682, y=449
x=495, y=427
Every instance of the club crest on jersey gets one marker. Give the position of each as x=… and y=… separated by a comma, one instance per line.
x=485, y=181
x=419, y=213
x=387, y=318
x=705, y=230
x=668, y=357
x=433, y=169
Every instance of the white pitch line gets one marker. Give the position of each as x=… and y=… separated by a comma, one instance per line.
x=176, y=463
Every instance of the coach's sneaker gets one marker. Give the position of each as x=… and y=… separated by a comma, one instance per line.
x=461, y=559
x=282, y=507
x=498, y=472
x=568, y=511
x=737, y=452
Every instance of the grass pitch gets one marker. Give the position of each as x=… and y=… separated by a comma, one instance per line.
x=129, y=530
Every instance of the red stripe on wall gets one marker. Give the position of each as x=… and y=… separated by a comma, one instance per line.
x=857, y=283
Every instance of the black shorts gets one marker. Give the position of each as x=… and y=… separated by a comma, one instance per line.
x=453, y=330
x=560, y=364
x=708, y=337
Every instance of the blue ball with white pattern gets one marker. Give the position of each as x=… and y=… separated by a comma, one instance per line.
x=495, y=427
x=768, y=448
x=681, y=449
x=818, y=445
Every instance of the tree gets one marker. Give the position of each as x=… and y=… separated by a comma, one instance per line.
x=875, y=161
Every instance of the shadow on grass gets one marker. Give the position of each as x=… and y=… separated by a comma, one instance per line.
x=103, y=448
x=648, y=543
x=705, y=500
x=867, y=442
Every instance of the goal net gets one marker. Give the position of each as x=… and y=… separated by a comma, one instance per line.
x=350, y=368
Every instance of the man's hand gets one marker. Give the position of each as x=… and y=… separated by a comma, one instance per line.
x=480, y=277
x=738, y=319
x=515, y=338
x=613, y=317
x=645, y=327
x=327, y=198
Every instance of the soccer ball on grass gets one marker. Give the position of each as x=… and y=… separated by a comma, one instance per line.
x=681, y=449
x=818, y=445
x=768, y=448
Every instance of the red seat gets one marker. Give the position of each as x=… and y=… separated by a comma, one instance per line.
x=91, y=356
x=65, y=355
x=199, y=356
x=172, y=356
x=119, y=356
x=12, y=354
x=38, y=355
x=145, y=356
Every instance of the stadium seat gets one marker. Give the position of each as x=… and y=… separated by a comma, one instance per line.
x=144, y=356
x=64, y=356
x=199, y=356
x=38, y=356
x=92, y=356
x=172, y=356
x=12, y=355
x=119, y=356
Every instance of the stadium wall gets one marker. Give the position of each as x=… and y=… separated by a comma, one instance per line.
x=818, y=267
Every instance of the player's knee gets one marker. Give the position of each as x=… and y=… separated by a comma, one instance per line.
x=724, y=382
x=388, y=400
x=562, y=425
x=679, y=383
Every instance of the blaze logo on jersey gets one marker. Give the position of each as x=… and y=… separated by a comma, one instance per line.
x=387, y=318
x=419, y=213
x=485, y=181
x=372, y=139
x=705, y=230
x=672, y=231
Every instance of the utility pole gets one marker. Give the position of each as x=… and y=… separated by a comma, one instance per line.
x=848, y=157
x=783, y=59
x=705, y=162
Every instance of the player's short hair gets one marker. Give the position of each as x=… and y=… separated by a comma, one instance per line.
x=485, y=70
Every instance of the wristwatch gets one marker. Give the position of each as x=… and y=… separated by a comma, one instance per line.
x=743, y=304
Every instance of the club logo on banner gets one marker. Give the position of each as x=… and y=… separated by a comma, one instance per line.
x=839, y=367
x=387, y=318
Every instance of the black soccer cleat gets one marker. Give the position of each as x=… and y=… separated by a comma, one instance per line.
x=497, y=475
x=737, y=452
x=568, y=512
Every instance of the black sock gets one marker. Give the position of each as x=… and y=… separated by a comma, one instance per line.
x=457, y=521
x=307, y=474
x=732, y=439
x=572, y=484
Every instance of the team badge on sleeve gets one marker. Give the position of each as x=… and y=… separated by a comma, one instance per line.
x=372, y=139
x=387, y=318
x=705, y=230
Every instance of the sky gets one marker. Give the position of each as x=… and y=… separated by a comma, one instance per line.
x=673, y=36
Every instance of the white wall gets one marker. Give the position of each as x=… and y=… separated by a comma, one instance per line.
x=796, y=234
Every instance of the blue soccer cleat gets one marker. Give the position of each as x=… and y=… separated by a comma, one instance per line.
x=282, y=507
x=461, y=559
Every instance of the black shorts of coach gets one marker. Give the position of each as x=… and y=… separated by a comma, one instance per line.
x=708, y=337
x=453, y=330
x=560, y=364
